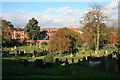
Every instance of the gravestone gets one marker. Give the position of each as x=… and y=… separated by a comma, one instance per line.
x=115, y=65
x=103, y=63
x=37, y=53
x=72, y=60
x=30, y=45
x=118, y=61
x=105, y=52
x=57, y=62
x=66, y=60
x=110, y=56
x=77, y=53
x=83, y=52
x=15, y=47
x=79, y=62
x=67, y=66
x=90, y=52
x=84, y=59
x=16, y=54
x=24, y=51
x=21, y=53
x=114, y=56
x=7, y=53
x=39, y=63
x=95, y=52
x=71, y=55
x=74, y=54
x=25, y=63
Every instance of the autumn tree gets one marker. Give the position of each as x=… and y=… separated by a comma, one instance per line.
x=94, y=18
x=32, y=29
x=65, y=39
x=7, y=31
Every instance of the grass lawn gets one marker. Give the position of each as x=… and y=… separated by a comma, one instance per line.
x=14, y=68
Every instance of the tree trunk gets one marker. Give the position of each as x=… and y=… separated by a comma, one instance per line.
x=98, y=37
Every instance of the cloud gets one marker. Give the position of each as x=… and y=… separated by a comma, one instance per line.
x=50, y=10
x=112, y=9
x=55, y=17
x=112, y=5
x=67, y=16
x=62, y=9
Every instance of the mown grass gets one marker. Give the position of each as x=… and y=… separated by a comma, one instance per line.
x=14, y=68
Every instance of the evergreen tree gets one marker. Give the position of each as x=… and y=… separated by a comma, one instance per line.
x=32, y=29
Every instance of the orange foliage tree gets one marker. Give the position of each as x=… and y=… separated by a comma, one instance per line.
x=65, y=39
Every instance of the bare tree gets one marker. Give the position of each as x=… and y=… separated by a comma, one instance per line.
x=96, y=17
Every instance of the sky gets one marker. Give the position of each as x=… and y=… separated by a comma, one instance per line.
x=52, y=14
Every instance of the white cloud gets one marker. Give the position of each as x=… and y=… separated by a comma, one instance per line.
x=62, y=9
x=112, y=5
x=68, y=16
x=55, y=17
x=50, y=10
x=112, y=9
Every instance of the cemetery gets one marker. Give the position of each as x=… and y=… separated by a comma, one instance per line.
x=61, y=41
x=24, y=61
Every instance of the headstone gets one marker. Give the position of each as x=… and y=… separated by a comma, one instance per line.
x=72, y=60
x=66, y=60
x=105, y=52
x=115, y=66
x=25, y=63
x=114, y=56
x=84, y=59
x=24, y=51
x=103, y=63
x=39, y=63
x=83, y=52
x=74, y=54
x=110, y=56
x=90, y=52
x=95, y=52
x=36, y=54
x=21, y=53
x=98, y=56
x=118, y=61
x=30, y=45
x=7, y=53
x=15, y=47
x=57, y=62
x=71, y=55
x=77, y=53
x=88, y=58
x=67, y=66
x=79, y=62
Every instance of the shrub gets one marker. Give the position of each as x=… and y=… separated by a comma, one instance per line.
x=44, y=43
x=49, y=58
